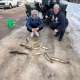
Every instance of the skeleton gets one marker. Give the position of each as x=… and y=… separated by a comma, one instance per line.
x=44, y=54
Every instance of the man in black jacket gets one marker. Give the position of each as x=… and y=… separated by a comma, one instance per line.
x=59, y=21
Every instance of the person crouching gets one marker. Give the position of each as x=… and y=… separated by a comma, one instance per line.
x=59, y=22
x=34, y=24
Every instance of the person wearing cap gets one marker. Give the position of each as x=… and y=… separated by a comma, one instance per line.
x=59, y=22
x=34, y=24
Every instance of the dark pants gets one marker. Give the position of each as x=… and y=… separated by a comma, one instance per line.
x=53, y=26
x=60, y=33
x=30, y=30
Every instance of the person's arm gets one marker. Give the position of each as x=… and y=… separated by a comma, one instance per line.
x=63, y=22
x=28, y=23
x=40, y=23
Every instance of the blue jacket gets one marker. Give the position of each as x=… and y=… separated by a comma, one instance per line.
x=34, y=23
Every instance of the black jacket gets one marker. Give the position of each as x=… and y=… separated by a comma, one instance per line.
x=59, y=20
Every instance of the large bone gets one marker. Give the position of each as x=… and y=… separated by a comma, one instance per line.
x=51, y=60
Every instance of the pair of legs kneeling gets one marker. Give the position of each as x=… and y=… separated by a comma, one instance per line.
x=59, y=33
x=35, y=33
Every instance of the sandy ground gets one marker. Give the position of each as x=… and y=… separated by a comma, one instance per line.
x=34, y=65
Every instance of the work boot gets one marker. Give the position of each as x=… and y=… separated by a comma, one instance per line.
x=59, y=39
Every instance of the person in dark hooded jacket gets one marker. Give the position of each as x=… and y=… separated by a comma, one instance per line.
x=59, y=22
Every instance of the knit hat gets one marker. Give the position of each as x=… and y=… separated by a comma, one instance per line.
x=56, y=6
x=34, y=12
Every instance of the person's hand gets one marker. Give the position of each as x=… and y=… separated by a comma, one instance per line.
x=46, y=16
x=33, y=29
x=37, y=29
x=56, y=30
